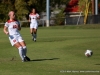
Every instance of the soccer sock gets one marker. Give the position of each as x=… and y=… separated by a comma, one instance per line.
x=34, y=35
x=21, y=52
x=24, y=51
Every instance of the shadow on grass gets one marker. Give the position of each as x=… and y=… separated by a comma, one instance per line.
x=97, y=64
x=45, y=59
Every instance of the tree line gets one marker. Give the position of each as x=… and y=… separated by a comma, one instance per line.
x=23, y=7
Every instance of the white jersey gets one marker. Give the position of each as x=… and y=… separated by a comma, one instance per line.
x=12, y=27
x=14, y=32
x=33, y=17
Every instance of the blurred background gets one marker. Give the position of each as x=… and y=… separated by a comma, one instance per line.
x=62, y=12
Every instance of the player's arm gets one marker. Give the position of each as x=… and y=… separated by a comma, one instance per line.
x=29, y=19
x=5, y=29
x=19, y=26
x=38, y=17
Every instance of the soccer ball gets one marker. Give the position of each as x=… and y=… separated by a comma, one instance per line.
x=88, y=53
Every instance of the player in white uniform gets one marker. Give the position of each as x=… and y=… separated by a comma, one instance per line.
x=33, y=16
x=11, y=28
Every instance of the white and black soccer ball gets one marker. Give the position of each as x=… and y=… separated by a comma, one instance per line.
x=88, y=53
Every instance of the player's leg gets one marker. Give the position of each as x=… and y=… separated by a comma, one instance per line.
x=20, y=48
x=35, y=34
x=14, y=42
x=23, y=44
x=35, y=31
x=31, y=30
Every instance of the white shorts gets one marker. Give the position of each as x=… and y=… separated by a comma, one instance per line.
x=16, y=39
x=34, y=25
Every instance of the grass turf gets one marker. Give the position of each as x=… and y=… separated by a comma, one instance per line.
x=58, y=51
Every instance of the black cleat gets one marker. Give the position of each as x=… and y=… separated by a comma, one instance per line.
x=34, y=39
x=26, y=58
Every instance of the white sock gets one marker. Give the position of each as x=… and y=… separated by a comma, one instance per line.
x=21, y=52
x=24, y=51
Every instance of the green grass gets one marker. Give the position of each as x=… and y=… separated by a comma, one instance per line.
x=58, y=51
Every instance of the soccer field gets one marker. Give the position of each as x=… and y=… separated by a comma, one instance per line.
x=58, y=51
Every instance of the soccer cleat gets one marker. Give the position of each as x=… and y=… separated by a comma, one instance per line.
x=26, y=58
x=34, y=39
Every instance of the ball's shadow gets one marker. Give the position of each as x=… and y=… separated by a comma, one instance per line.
x=45, y=59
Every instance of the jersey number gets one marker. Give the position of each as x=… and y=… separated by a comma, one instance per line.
x=14, y=26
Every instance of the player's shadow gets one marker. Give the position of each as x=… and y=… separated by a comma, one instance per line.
x=97, y=64
x=45, y=59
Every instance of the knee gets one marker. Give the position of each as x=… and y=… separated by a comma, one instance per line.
x=35, y=31
x=24, y=47
x=20, y=48
x=31, y=32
